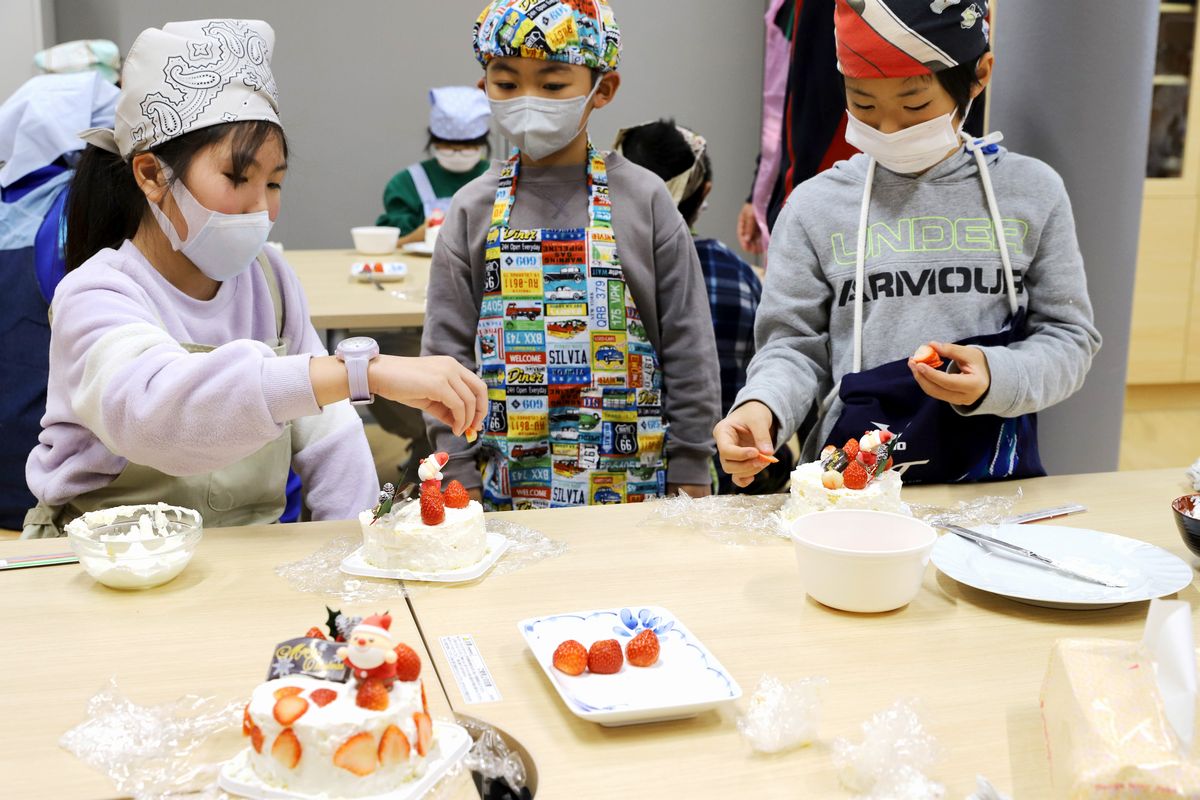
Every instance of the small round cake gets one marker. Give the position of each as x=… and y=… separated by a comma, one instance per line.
x=442, y=531
x=402, y=540
x=808, y=494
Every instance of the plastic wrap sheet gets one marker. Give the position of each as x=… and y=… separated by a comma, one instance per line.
x=320, y=573
x=891, y=761
x=497, y=770
x=163, y=751
x=985, y=510
x=1193, y=475
x=781, y=715
x=730, y=519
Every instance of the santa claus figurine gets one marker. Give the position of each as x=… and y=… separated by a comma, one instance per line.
x=370, y=652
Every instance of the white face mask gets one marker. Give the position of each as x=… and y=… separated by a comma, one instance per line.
x=458, y=160
x=914, y=149
x=222, y=246
x=538, y=126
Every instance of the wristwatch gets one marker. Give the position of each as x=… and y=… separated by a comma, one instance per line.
x=356, y=353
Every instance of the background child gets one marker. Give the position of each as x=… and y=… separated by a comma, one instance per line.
x=680, y=157
x=572, y=280
x=906, y=244
x=183, y=366
x=458, y=141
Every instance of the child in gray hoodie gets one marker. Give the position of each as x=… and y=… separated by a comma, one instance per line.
x=898, y=247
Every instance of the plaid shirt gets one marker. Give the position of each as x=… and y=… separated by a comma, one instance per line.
x=734, y=291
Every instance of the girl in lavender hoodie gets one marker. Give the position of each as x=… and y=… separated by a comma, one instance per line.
x=183, y=366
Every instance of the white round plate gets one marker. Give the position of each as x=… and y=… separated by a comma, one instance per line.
x=497, y=543
x=417, y=249
x=451, y=743
x=1148, y=571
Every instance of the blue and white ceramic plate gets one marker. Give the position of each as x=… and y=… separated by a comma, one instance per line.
x=687, y=679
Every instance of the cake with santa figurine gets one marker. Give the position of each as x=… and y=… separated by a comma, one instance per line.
x=442, y=531
x=341, y=716
x=858, y=475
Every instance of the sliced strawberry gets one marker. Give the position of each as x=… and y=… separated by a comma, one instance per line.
x=455, y=496
x=642, y=650
x=372, y=695
x=287, y=691
x=927, y=355
x=323, y=697
x=570, y=657
x=604, y=657
x=286, y=749
x=289, y=708
x=357, y=754
x=256, y=737
x=247, y=723
x=424, y=732
x=393, y=746
x=408, y=663
x=424, y=702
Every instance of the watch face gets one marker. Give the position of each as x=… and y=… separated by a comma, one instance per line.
x=358, y=345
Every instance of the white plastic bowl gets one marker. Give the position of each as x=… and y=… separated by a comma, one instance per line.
x=375, y=241
x=863, y=561
x=136, y=547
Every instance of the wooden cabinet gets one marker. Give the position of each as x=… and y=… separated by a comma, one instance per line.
x=1165, y=340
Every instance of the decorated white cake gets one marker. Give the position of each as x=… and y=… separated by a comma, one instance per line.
x=323, y=738
x=857, y=476
x=443, y=531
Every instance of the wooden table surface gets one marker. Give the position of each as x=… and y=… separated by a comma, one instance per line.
x=209, y=632
x=335, y=302
x=974, y=661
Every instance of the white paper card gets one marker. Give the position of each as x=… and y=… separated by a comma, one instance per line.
x=471, y=673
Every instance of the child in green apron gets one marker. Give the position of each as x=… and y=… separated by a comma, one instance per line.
x=183, y=365
x=569, y=278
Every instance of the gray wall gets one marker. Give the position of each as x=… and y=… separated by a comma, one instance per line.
x=1072, y=88
x=353, y=78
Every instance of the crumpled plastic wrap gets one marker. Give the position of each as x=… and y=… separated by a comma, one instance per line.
x=498, y=771
x=153, y=752
x=320, y=573
x=985, y=791
x=1193, y=475
x=985, y=510
x=893, y=758
x=730, y=519
x=783, y=715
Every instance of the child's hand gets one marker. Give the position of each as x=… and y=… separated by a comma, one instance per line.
x=437, y=385
x=745, y=441
x=690, y=489
x=962, y=388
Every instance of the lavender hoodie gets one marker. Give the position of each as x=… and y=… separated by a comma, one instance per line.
x=122, y=389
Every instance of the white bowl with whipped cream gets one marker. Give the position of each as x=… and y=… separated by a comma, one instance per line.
x=136, y=547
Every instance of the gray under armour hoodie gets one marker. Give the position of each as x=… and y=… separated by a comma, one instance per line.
x=933, y=273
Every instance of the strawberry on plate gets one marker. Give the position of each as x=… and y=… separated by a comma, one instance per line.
x=571, y=657
x=642, y=650
x=604, y=657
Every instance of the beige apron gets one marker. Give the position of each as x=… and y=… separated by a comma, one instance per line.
x=252, y=491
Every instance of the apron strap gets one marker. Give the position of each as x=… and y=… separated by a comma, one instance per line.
x=424, y=187
x=978, y=146
x=860, y=265
x=273, y=287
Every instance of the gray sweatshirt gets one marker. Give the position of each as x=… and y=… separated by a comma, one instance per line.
x=933, y=273
x=662, y=271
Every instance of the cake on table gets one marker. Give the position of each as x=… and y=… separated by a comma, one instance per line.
x=324, y=738
x=442, y=531
x=858, y=475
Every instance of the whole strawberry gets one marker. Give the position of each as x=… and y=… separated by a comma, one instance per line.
x=604, y=657
x=642, y=650
x=408, y=663
x=456, y=496
x=855, y=476
x=851, y=449
x=570, y=657
x=433, y=505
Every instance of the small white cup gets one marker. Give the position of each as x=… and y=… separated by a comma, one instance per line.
x=375, y=241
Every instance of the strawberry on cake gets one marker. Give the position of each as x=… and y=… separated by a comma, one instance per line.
x=858, y=475
x=442, y=531
x=326, y=739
